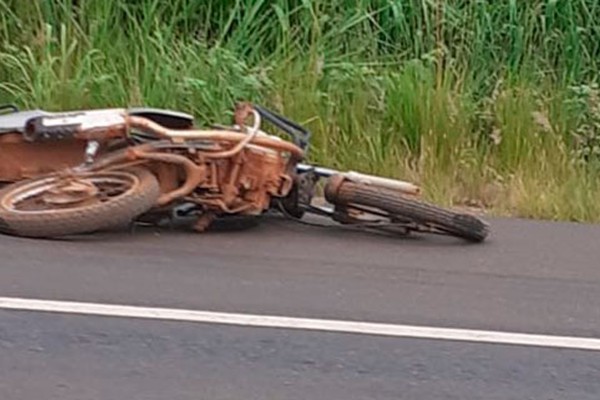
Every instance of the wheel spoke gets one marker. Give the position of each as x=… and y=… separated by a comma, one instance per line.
x=60, y=194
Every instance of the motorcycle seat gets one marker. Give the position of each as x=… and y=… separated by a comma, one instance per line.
x=14, y=122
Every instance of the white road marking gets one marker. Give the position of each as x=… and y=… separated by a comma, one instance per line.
x=269, y=321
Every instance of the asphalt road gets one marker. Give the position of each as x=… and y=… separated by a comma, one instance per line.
x=533, y=277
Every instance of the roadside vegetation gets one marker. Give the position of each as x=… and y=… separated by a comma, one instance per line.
x=489, y=104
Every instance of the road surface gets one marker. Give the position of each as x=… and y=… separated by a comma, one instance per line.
x=537, y=278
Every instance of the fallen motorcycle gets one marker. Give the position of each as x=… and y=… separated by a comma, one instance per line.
x=82, y=171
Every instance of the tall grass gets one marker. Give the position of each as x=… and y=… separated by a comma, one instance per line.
x=483, y=103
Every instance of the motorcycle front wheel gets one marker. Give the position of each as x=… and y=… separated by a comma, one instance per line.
x=68, y=205
x=427, y=217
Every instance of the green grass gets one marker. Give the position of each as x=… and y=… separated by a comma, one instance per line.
x=489, y=103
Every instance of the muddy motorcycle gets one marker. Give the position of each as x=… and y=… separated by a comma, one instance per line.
x=76, y=172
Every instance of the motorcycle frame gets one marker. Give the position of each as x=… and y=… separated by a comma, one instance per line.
x=217, y=163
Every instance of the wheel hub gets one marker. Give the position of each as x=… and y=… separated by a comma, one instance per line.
x=70, y=192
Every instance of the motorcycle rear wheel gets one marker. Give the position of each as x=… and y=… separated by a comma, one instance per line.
x=345, y=193
x=57, y=206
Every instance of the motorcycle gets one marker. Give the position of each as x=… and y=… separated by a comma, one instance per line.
x=82, y=171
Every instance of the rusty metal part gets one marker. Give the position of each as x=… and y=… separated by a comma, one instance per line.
x=169, y=175
x=215, y=135
x=21, y=160
x=103, y=134
x=194, y=174
x=242, y=144
x=70, y=191
x=224, y=171
x=242, y=112
x=261, y=176
x=66, y=190
x=254, y=178
x=119, y=157
x=229, y=186
x=242, y=181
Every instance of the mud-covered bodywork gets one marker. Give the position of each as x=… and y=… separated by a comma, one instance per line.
x=21, y=157
x=80, y=171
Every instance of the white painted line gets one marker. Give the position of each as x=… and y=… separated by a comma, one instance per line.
x=269, y=321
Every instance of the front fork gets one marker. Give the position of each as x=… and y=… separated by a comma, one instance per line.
x=393, y=184
x=300, y=199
